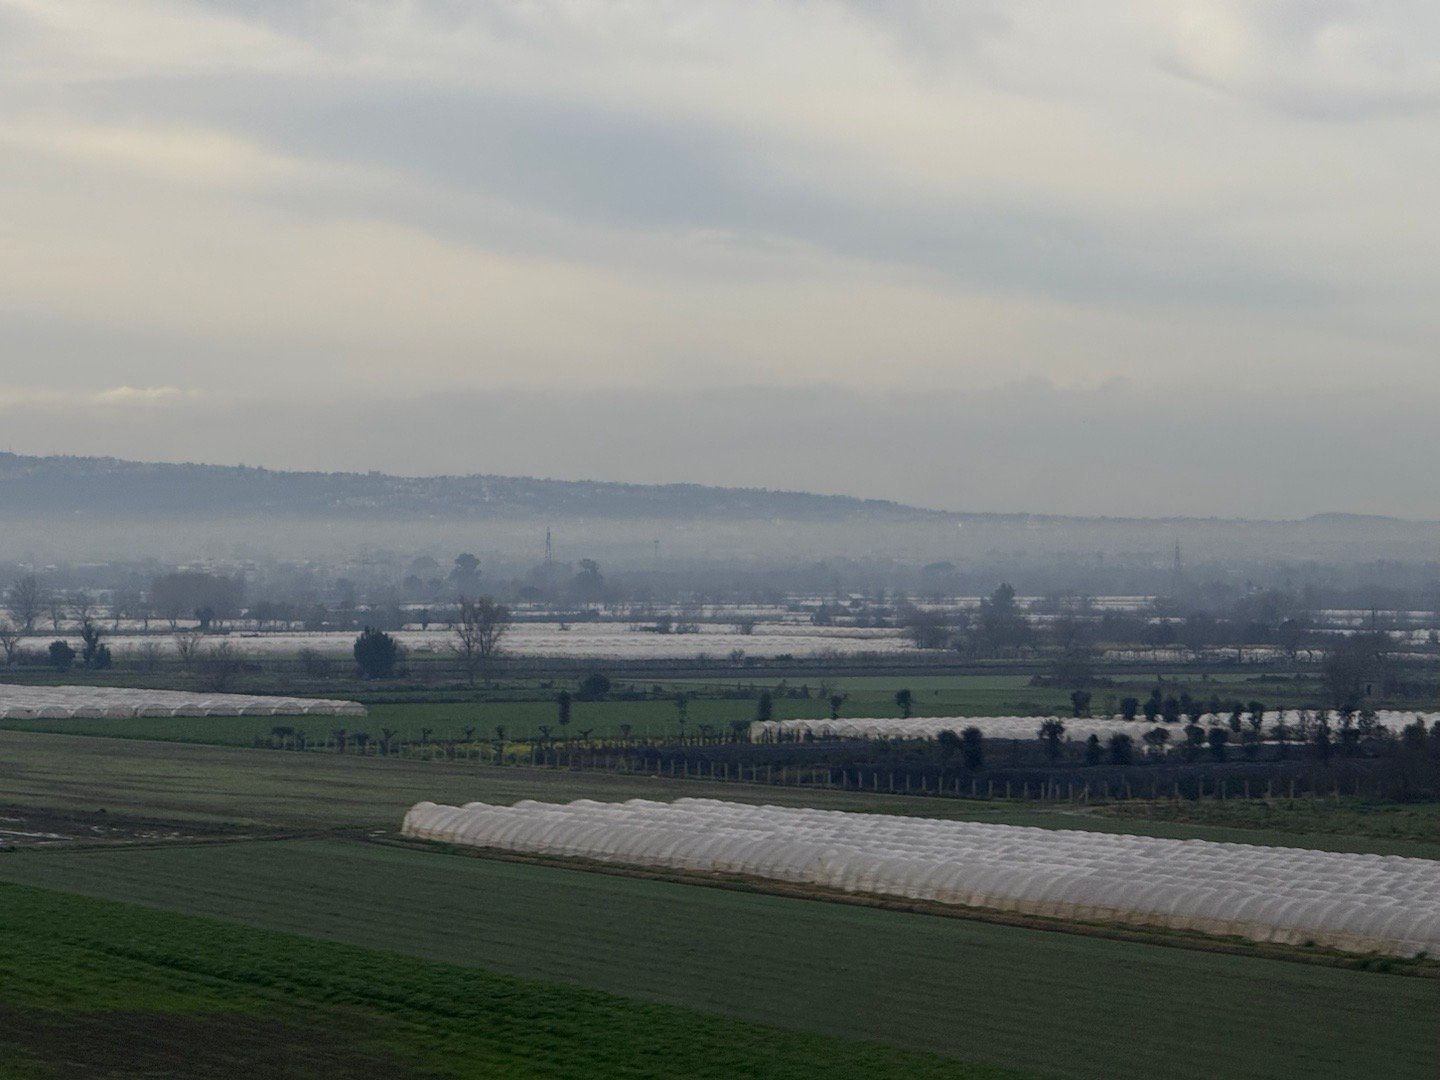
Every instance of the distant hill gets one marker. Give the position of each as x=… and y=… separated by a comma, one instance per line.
x=113, y=488
x=105, y=508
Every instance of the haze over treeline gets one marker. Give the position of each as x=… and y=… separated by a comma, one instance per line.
x=146, y=517
x=1117, y=449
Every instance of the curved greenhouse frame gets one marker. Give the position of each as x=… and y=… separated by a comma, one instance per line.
x=1358, y=903
x=1019, y=727
x=123, y=703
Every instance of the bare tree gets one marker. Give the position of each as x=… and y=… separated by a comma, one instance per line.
x=147, y=656
x=479, y=628
x=219, y=665
x=25, y=600
x=124, y=603
x=82, y=606
x=925, y=628
x=168, y=605
x=10, y=638
x=187, y=648
x=56, y=603
x=208, y=597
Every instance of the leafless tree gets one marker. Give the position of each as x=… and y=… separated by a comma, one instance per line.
x=147, y=656
x=479, y=627
x=169, y=608
x=25, y=600
x=927, y=629
x=10, y=638
x=187, y=648
x=219, y=665
x=208, y=597
x=82, y=606
x=57, y=605
x=124, y=603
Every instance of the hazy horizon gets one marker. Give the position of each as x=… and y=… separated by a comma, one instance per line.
x=1232, y=459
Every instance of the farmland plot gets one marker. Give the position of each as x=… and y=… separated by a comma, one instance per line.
x=123, y=703
x=1060, y=1005
x=1358, y=903
x=89, y=985
x=581, y=641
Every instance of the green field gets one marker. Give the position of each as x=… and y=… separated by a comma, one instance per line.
x=1051, y=1003
x=522, y=719
x=97, y=990
x=952, y=695
x=318, y=792
x=415, y=963
x=1419, y=822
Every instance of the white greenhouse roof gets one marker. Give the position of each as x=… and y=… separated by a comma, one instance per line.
x=118, y=703
x=1359, y=903
x=1027, y=727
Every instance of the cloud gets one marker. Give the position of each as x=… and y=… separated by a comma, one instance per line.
x=55, y=42
x=934, y=31
x=570, y=196
x=144, y=395
x=169, y=154
x=1327, y=60
x=52, y=399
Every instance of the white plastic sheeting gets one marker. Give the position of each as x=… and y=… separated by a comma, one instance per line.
x=1360, y=903
x=118, y=703
x=1022, y=727
x=992, y=727
x=583, y=640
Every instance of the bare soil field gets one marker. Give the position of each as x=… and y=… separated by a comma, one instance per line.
x=39, y=827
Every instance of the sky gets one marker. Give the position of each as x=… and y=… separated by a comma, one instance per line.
x=1082, y=256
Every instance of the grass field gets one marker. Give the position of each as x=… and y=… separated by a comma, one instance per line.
x=96, y=989
x=522, y=719
x=953, y=695
x=193, y=783
x=415, y=963
x=1046, y=1002
x=1418, y=822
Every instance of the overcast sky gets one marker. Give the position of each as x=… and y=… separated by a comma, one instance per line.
x=1067, y=256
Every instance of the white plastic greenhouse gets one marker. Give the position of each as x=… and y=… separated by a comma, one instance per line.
x=118, y=703
x=1007, y=727
x=1359, y=903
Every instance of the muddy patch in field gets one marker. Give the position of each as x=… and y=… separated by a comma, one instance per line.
x=167, y=1046
x=26, y=827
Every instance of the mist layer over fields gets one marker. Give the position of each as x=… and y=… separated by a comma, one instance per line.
x=92, y=509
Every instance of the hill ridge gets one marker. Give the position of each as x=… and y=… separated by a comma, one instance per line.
x=73, y=484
